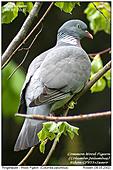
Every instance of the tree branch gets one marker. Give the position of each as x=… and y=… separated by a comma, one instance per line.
x=66, y=118
x=22, y=33
x=8, y=57
x=50, y=153
x=27, y=156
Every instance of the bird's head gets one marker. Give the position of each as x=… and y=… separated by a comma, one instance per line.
x=74, y=28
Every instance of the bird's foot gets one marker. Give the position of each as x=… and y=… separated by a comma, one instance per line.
x=51, y=114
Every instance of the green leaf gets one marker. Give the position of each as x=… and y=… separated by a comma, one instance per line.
x=70, y=133
x=99, y=85
x=20, y=4
x=51, y=136
x=9, y=12
x=42, y=135
x=98, y=21
x=109, y=83
x=25, y=6
x=108, y=78
x=48, y=131
x=67, y=6
x=61, y=126
x=52, y=130
x=58, y=136
x=72, y=128
x=29, y=6
x=60, y=5
x=50, y=126
x=96, y=64
x=42, y=147
x=76, y=129
x=108, y=75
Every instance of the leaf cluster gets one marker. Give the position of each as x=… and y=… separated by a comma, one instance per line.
x=98, y=13
x=100, y=85
x=10, y=10
x=53, y=131
x=67, y=6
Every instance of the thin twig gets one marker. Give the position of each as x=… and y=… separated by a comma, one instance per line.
x=100, y=12
x=101, y=52
x=28, y=50
x=21, y=34
x=26, y=157
x=66, y=118
x=50, y=152
x=23, y=42
x=66, y=112
x=54, y=144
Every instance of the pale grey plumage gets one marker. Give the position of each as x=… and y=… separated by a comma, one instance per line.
x=52, y=76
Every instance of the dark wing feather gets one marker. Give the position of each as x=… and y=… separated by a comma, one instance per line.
x=23, y=107
x=48, y=96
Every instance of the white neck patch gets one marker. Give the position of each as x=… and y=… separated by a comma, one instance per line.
x=70, y=40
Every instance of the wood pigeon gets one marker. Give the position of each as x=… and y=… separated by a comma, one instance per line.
x=52, y=76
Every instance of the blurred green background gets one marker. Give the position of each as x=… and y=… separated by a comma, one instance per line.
x=94, y=134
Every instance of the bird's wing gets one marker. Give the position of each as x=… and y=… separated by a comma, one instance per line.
x=48, y=96
x=35, y=64
x=64, y=70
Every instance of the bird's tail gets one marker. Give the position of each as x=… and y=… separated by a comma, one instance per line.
x=28, y=134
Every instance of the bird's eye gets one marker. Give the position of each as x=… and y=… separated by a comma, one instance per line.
x=79, y=26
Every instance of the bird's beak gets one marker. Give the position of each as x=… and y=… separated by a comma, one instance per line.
x=88, y=35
